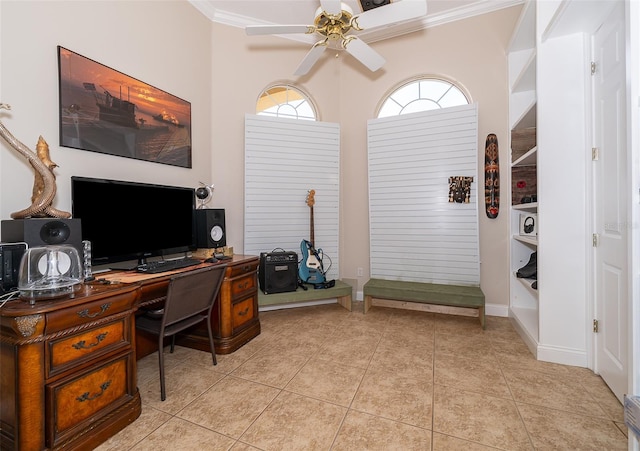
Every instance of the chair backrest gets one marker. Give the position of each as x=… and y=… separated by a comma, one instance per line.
x=192, y=292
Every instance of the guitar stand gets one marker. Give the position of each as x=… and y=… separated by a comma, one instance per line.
x=302, y=285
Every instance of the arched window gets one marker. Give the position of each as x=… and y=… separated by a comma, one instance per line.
x=422, y=94
x=286, y=101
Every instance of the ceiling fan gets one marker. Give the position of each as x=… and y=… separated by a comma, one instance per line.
x=333, y=22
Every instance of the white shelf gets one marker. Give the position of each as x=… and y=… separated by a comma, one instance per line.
x=531, y=206
x=522, y=109
x=526, y=78
x=533, y=240
x=528, y=159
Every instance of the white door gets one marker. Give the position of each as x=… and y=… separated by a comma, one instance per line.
x=610, y=203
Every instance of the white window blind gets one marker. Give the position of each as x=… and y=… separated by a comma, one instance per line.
x=284, y=159
x=416, y=234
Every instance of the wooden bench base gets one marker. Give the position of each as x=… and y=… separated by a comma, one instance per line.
x=341, y=291
x=453, y=296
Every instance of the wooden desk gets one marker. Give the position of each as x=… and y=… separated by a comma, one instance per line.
x=234, y=320
x=67, y=369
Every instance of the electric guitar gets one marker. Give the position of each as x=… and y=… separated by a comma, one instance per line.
x=310, y=269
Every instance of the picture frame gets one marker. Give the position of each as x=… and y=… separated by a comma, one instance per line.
x=103, y=110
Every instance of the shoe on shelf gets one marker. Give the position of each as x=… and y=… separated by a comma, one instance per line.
x=530, y=270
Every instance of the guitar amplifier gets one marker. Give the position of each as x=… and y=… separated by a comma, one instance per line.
x=278, y=272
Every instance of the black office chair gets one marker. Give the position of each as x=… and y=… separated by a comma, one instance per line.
x=190, y=299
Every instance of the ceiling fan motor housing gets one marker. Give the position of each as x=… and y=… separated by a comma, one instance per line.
x=334, y=27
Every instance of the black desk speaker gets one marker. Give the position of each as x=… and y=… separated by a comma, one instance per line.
x=38, y=232
x=278, y=272
x=210, y=228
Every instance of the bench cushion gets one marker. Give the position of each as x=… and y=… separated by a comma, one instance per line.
x=453, y=295
x=340, y=290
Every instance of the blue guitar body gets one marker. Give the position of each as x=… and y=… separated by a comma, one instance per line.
x=310, y=269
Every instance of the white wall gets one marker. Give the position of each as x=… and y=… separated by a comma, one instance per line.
x=221, y=71
x=165, y=44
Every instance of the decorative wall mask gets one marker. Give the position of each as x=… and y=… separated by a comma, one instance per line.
x=460, y=189
x=491, y=177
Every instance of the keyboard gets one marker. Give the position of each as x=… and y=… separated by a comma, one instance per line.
x=159, y=266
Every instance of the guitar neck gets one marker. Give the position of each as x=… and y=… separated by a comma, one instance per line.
x=311, y=237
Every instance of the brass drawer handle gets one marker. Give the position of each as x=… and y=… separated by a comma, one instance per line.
x=244, y=285
x=85, y=313
x=82, y=343
x=244, y=312
x=86, y=397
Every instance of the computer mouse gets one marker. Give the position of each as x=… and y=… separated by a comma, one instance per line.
x=211, y=260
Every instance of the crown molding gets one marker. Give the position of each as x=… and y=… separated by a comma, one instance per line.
x=217, y=15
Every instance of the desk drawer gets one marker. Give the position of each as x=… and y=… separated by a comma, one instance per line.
x=242, y=312
x=74, y=401
x=87, y=345
x=90, y=311
x=238, y=270
x=243, y=285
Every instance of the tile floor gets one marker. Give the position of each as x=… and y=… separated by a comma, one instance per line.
x=323, y=378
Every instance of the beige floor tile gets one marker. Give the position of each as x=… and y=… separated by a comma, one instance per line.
x=479, y=418
x=323, y=378
x=553, y=391
x=271, y=368
x=410, y=337
x=361, y=431
x=443, y=442
x=402, y=399
x=294, y=422
x=149, y=420
x=477, y=375
x=230, y=406
x=458, y=325
x=183, y=383
x=410, y=361
x=527, y=363
x=239, y=446
x=553, y=429
x=353, y=350
x=603, y=396
x=470, y=346
x=327, y=381
x=178, y=434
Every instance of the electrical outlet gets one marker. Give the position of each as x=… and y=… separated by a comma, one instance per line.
x=360, y=272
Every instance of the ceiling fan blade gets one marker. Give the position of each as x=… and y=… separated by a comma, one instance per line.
x=398, y=11
x=332, y=7
x=253, y=30
x=363, y=53
x=311, y=58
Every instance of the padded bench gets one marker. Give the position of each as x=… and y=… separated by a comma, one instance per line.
x=425, y=293
x=341, y=291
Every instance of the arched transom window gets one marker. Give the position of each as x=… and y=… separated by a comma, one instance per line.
x=286, y=101
x=422, y=94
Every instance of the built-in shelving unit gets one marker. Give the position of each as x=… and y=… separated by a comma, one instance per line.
x=549, y=110
x=522, y=55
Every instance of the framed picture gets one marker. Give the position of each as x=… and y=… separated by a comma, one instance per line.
x=103, y=110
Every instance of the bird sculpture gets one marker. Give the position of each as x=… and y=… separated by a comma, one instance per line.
x=44, y=185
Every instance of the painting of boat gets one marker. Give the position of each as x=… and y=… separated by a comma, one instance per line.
x=168, y=118
x=103, y=110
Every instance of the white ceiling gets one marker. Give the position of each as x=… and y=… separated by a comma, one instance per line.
x=240, y=13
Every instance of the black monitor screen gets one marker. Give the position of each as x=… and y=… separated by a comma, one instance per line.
x=128, y=220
